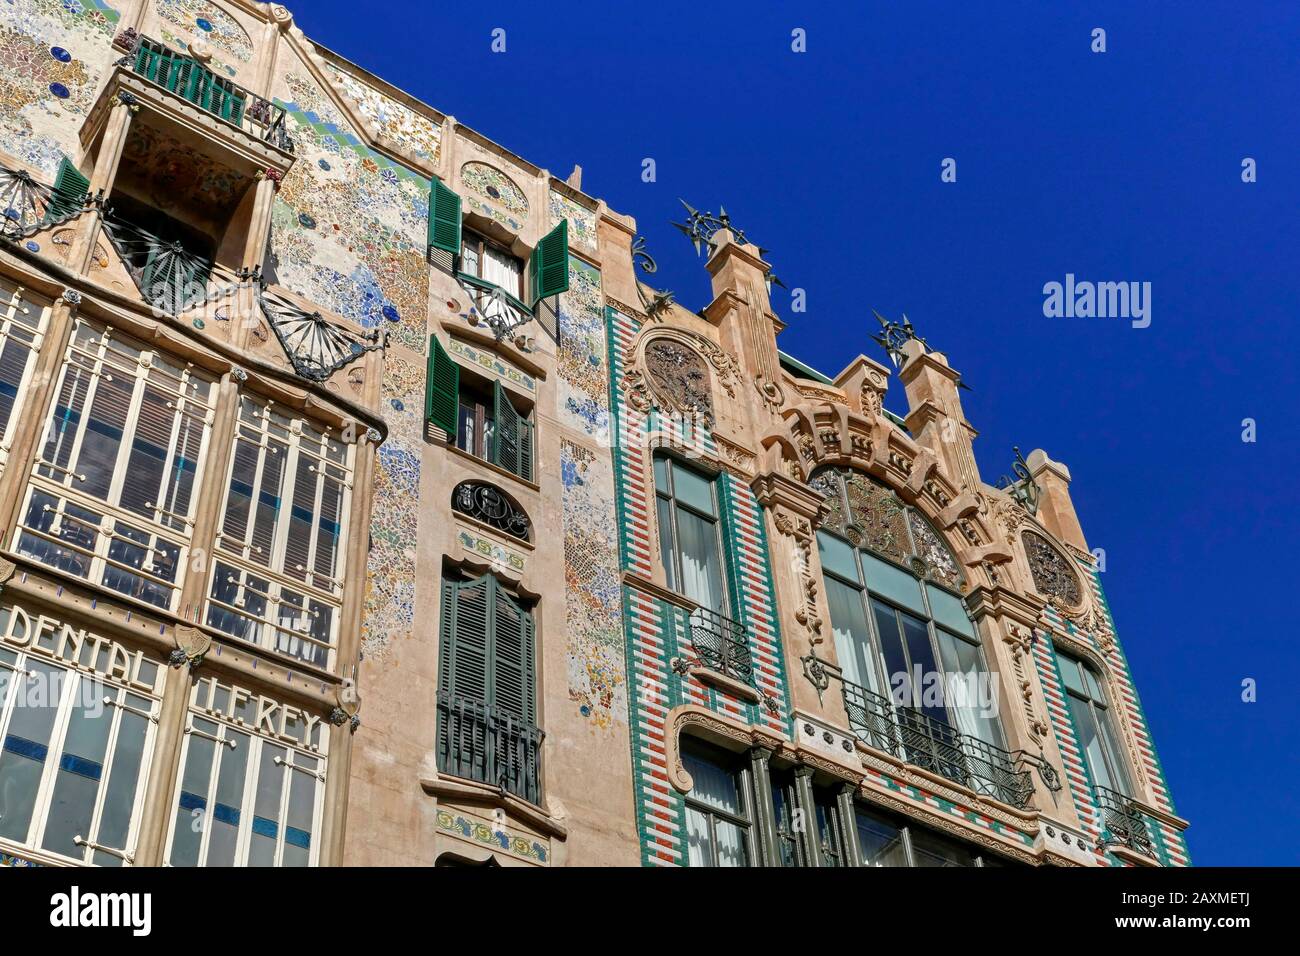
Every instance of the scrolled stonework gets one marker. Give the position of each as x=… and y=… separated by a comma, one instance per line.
x=7, y=571
x=709, y=725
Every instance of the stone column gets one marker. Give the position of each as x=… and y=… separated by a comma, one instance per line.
x=844, y=802
x=807, y=803
x=764, y=814
x=164, y=769
x=102, y=178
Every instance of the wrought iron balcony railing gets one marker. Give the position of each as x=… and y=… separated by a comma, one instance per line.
x=27, y=206
x=480, y=743
x=722, y=644
x=500, y=311
x=937, y=746
x=1124, y=822
x=189, y=79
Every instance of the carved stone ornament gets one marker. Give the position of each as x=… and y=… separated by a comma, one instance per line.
x=707, y=724
x=800, y=530
x=192, y=645
x=7, y=570
x=1051, y=571
x=678, y=379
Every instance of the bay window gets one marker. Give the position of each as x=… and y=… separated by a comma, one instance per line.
x=22, y=329
x=886, y=840
x=76, y=753
x=111, y=498
x=277, y=577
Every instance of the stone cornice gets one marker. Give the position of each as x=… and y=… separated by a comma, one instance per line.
x=473, y=792
x=1000, y=602
x=775, y=490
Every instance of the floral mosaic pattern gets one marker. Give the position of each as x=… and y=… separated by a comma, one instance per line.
x=350, y=224
x=492, y=364
x=487, y=548
x=208, y=22
x=582, y=221
x=1053, y=576
x=593, y=593
x=52, y=54
x=494, y=836
x=417, y=135
x=583, y=356
x=490, y=182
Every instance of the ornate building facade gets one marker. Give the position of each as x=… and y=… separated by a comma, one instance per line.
x=358, y=504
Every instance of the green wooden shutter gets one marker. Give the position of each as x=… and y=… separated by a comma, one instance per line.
x=548, y=269
x=505, y=436
x=444, y=218
x=525, y=449
x=442, y=389
x=70, y=190
x=464, y=684
x=513, y=683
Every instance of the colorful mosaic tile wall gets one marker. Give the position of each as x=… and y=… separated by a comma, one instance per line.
x=583, y=358
x=582, y=221
x=348, y=231
x=1170, y=845
x=52, y=56
x=415, y=134
x=207, y=22
x=656, y=632
x=490, y=182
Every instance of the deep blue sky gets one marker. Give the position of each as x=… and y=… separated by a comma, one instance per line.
x=1117, y=166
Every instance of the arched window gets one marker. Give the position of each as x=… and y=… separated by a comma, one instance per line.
x=1091, y=713
x=492, y=506
x=916, y=683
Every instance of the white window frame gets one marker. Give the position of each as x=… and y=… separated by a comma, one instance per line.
x=96, y=353
x=69, y=696
x=252, y=776
x=13, y=303
x=236, y=551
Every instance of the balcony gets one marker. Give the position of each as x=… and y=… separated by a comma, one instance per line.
x=478, y=742
x=187, y=78
x=721, y=644
x=938, y=747
x=1124, y=821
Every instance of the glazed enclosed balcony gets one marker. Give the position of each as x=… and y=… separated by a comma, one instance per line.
x=936, y=746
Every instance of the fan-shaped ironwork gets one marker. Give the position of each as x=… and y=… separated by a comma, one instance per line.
x=170, y=277
x=27, y=206
x=316, y=346
x=491, y=506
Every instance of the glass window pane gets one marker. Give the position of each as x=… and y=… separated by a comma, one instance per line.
x=266, y=810
x=192, y=804
x=930, y=849
x=298, y=826
x=714, y=786
x=26, y=747
x=699, y=838
x=880, y=842
x=928, y=695
x=1090, y=743
x=1094, y=685
x=693, y=489
x=1113, y=751
x=897, y=680
x=661, y=475
x=893, y=583
x=968, y=690
x=731, y=844
x=701, y=563
x=124, y=779
x=1070, y=674
x=852, y=636
x=837, y=557
x=81, y=769
x=227, y=806
x=666, y=547
x=949, y=611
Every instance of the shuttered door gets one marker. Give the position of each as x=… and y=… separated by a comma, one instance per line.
x=464, y=678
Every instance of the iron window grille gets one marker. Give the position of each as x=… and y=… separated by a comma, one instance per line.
x=1124, y=821
x=484, y=743
x=933, y=745
x=722, y=644
x=493, y=507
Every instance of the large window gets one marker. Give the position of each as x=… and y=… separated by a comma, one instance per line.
x=76, y=748
x=484, y=259
x=22, y=326
x=246, y=797
x=277, y=578
x=1092, y=717
x=719, y=808
x=487, y=696
x=111, y=499
x=886, y=840
x=690, y=542
x=916, y=682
